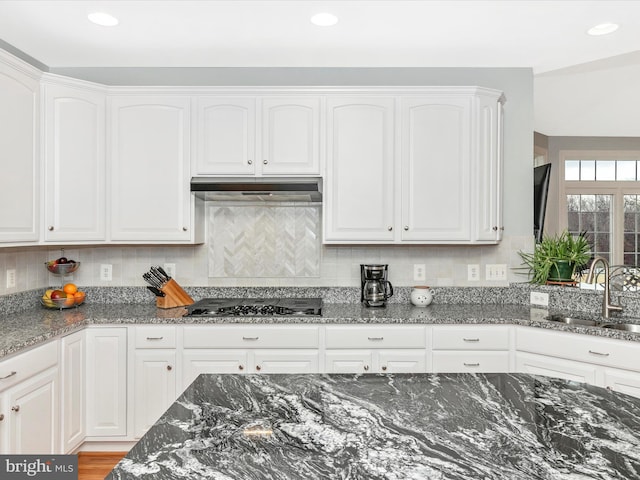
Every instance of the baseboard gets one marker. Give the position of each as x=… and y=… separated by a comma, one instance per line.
x=116, y=447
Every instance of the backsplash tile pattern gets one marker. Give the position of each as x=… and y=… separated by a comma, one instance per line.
x=263, y=241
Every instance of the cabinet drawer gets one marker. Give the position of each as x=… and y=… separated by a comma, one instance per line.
x=376, y=336
x=16, y=369
x=155, y=337
x=485, y=337
x=247, y=336
x=583, y=348
x=471, y=362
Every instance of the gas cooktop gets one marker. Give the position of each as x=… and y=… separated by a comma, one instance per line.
x=255, y=307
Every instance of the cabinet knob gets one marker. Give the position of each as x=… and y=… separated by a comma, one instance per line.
x=265, y=161
x=1, y=417
x=495, y=229
x=384, y=368
x=258, y=368
x=390, y=228
x=406, y=227
x=51, y=228
x=366, y=367
x=501, y=228
x=16, y=408
x=250, y=162
x=169, y=367
x=184, y=229
x=240, y=367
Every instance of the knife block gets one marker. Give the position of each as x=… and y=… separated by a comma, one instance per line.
x=174, y=296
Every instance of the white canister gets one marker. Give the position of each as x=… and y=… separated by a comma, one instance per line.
x=421, y=296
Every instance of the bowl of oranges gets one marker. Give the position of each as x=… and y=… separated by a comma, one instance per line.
x=66, y=297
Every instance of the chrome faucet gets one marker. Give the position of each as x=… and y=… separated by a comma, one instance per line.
x=607, y=306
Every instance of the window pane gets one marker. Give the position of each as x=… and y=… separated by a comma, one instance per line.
x=587, y=170
x=632, y=233
x=573, y=203
x=605, y=170
x=591, y=215
x=587, y=203
x=630, y=203
x=626, y=170
x=572, y=170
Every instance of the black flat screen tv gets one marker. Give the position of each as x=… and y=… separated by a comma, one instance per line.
x=541, y=177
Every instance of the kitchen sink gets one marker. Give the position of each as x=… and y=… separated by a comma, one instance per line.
x=627, y=327
x=572, y=320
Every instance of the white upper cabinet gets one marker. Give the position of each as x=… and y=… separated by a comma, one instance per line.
x=290, y=136
x=74, y=156
x=232, y=138
x=149, y=169
x=19, y=164
x=442, y=182
x=359, y=193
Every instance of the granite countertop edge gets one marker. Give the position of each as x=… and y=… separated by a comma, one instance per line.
x=23, y=330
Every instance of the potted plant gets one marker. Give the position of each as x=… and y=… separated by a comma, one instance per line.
x=557, y=257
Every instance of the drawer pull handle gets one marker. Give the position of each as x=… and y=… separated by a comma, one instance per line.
x=16, y=408
x=598, y=353
x=10, y=375
x=471, y=339
x=366, y=367
x=250, y=338
x=376, y=339
x=471, y=364
x=155, y=338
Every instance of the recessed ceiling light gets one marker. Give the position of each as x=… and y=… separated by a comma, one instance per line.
x=603, y=29
x=324, y=19
x=104, y=19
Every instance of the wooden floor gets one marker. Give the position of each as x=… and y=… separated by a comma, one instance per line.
x=96, y=465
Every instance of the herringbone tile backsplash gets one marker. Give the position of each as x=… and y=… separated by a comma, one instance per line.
x=263, y=241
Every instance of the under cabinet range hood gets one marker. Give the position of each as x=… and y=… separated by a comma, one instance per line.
x=258, y=189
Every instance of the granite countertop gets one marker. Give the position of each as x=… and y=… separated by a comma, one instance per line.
x=402, y=426
x=27, y=328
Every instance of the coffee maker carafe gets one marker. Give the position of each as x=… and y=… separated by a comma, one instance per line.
x=375, y=288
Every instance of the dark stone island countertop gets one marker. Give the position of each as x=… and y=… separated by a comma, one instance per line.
x=403, y=426
x=31, y=327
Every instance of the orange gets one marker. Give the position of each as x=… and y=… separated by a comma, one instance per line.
x=78, y=297
x=70, y=288
x=70, y=301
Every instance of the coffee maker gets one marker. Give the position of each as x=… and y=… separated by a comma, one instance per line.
x=375, y=289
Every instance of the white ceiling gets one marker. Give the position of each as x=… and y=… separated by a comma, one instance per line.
x=546, y=36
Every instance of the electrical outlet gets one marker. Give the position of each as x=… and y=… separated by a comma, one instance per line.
x=473, y=272
x=170, y=268
x=419, y=272
x=496, y=272
x=11, y=278
x=106, y=271
x=539, y=298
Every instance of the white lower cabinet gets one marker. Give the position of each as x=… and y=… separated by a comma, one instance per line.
x=197, y=361
x=555, y=367
x=73, y=387
x=470, y=362
x=154, y=387
x=375, y=361
x=348, y=361
x=622, y=381
x=107, y=382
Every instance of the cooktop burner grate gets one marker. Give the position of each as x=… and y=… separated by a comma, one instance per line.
x=255, y=307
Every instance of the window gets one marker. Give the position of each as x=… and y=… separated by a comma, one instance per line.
x=602, y=199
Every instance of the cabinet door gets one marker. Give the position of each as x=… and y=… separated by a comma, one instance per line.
x=290, y=136
x=107, y=381
x=150, y=196
x=347, y=361
x=33, y=417
x=154, y=387
x=73, y=391
x=19, y=195
x=436, y=168
x=286, y=361
x=555, y=367
x=74, y=132
x=622, y=381
x=359, y=181
x=402, y=361
x=225, y=136
x=195, y=362
x=487, y=210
